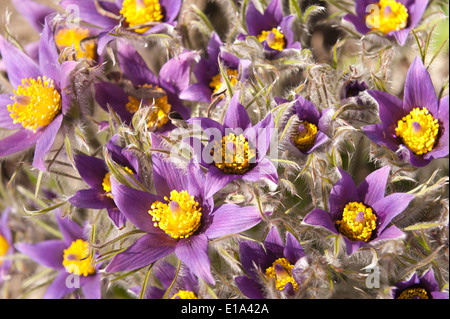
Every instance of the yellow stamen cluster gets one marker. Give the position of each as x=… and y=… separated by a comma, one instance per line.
x=37, y=103
x=179, y=218
x=358, y=222
x=284, y=276
x=412, y=293
x=304, y=139
x=274, y=38
x=216, y=82
x=392, y=16
x=107, y=182
x=161, y=107
x=4, y=246
x=137, y=12
x=68, y=38
x=233, y=155
x=418, y=130
x=184, y=294
x=78, y=260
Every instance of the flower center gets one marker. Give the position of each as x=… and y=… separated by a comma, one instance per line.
x=159, y=116
x=67, y=38
x=281, y=271
x=274, y=38
x=184, y=294
x=77, y=259
x=414, y=293
x=216, y=81
x=137, y=12
x=107, y=182
x=358, y=222
x=305, y=136
x=233, y=155
x=4, y=246
x=392, y=16
x=418, y=130
x=36, y=103
x=180, y=217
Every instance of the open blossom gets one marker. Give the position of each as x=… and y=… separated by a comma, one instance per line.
x=361, y=214
x=69, y=257
x=179, y=218
x=37, y=107
x=6, y=244
x=276, y=261
x=394, y=19
x=419, y=287
x=419, y=123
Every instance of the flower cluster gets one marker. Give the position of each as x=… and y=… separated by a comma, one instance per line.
x=225, y=149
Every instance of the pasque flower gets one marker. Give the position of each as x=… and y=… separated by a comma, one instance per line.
x=6, y=244
x=94, y=172
x=179, y=218
x=361, y=214
x=237, y=148
x=419, y=287
x=275, y=261
x=416, y=126
x=70, y=256
x=40, y=100
x=395, y=19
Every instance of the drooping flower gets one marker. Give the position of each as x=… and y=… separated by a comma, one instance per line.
x=94, y=172
x=71, y=258
x=361, y=214
x=275, y=261
x=309, y=130
x=180, y=218
x=171, y=80
x=40, y=100
x=272, y=28
x=237, y=148
x=6, y=245
x=419, y=123
x=394, y=19
x=207, y=72
x=423, y=287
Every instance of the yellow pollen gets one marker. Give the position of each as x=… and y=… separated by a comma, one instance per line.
x=284, y=276
x=392, y=16
x=184, y=294
x=161, y=107
x=77, y=259
x=137, y=12
x=358, y=222
x=180, y=217
x=274, y=38
x=216, y=82
x=36, y=103
x=4, y=246
x=233, y=155
x=107, y=182
x=68, y=38
x=418, y=130
x=305, y=138
x=412, y=293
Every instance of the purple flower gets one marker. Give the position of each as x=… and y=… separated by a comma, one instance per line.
x=310, y=129
x=275, y=261
x=207, y=72
x=179, y=218
x=237, y=148
x=416, y=126
x=352, y=89
x=424, y=287
x=40, y=100
x=94, y=172
x=361, y=214
x=271, y=28
x=70, y=257
x=395, y=19
x=171, y=80
x=6, y=245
